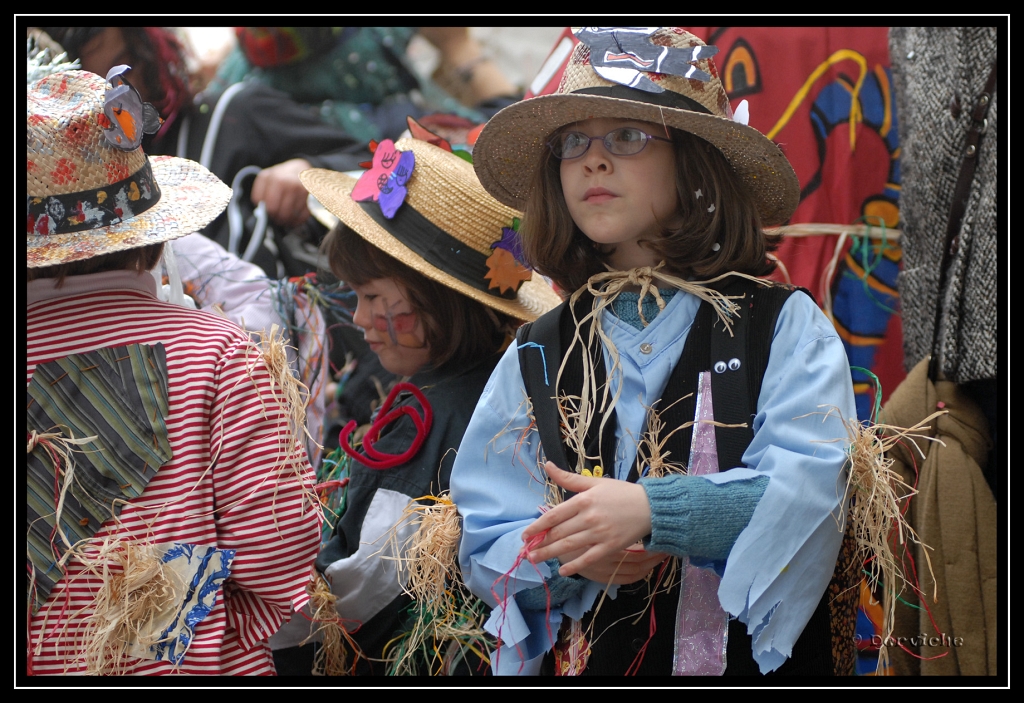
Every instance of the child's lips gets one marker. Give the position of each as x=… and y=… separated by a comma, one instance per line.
x=598, y=195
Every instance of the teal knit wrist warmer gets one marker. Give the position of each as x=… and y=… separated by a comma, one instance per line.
x=691, y=516
x=561, y=588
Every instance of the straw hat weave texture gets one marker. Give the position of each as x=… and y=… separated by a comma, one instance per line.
x=510, y=147
x=444, y=190
x=87, y=197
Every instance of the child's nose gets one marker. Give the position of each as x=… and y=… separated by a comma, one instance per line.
x=597, y=157
x=361, y=317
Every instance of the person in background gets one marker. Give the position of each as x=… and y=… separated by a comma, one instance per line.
x=171, y=516
x=251, y=125
x=361, y=78
x=440, y=294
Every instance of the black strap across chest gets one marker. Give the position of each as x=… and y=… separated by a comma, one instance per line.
x=737, y=364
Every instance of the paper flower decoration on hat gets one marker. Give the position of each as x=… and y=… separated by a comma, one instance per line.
x=505, y=267
x=420, y=132
x=619, y=54
x=385, y=180
x=127, y=116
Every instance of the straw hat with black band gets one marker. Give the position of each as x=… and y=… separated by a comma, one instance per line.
x=91, y=189
x=606, y=77
x=448, y=228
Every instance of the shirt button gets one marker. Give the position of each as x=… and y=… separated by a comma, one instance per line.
x=645, y=348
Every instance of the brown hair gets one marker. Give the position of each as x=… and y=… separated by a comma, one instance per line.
x=556, y=247
x=140, y=259
x=459, y=330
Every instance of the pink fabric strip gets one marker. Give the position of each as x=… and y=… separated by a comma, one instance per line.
x=701, y=624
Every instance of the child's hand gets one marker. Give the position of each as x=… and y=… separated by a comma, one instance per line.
x=604, y=518
x=623, y=567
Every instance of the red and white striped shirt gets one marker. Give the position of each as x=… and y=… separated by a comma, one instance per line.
x=227, y=485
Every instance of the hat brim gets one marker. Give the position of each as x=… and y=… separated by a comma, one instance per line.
x=333, y=190
x=510, y=146
x=190, y=198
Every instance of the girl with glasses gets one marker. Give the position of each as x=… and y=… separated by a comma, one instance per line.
x=652, y=481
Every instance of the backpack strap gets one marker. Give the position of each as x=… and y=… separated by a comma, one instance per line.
x=738, y=363
x=541, y=347
x=540, y=352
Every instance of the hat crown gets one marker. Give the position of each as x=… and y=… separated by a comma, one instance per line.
x=627, y=53
x=445, y=190
x=91, y=188
x=67, y=149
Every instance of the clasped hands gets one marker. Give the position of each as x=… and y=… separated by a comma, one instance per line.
x=596, y=533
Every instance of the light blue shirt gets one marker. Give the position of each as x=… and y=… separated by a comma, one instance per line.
x=781, y=563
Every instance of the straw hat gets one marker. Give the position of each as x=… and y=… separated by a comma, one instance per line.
x=448, y=228
x=510, y=146
x=87, y=194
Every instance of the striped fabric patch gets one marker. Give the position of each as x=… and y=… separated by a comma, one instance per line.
x=119, y=396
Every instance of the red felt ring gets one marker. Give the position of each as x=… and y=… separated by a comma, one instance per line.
x=379, y=460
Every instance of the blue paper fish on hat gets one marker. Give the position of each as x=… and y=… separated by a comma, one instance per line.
x=129, y=118
x=619, y=54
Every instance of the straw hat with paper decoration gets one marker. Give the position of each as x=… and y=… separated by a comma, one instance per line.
x=91, y=189
x=423, y=205
x=663, y=75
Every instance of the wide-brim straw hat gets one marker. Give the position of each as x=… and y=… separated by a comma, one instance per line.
x=87, y=197
x=510, y=146
x=447, y=228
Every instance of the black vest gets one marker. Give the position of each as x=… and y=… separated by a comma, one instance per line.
x=735, y=391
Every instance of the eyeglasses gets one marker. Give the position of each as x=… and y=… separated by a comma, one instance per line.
x=623, y=141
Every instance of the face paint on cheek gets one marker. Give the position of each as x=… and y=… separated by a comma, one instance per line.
x=399, y=327
x=402, y=326
x=382, y=323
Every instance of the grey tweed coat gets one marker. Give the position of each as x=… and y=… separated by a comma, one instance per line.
x=932, y=67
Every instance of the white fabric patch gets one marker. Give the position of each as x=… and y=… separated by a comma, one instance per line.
x=366, y=581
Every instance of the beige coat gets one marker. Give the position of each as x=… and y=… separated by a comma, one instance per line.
x=954, y=513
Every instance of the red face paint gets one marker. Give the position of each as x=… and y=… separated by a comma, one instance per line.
x=399, y=326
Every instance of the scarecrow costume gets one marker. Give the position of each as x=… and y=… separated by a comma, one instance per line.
x=171, y=519
x=756, y=526
x=405, y=614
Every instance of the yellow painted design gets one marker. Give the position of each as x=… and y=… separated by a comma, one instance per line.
x=855, y=114
x=598, y=472
x=883, y=210
x=101, y=196
x=586, y=472
x=883, y=84
x=133, y=192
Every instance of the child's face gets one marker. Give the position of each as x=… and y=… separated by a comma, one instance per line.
x=394, y=332
x=621, y=200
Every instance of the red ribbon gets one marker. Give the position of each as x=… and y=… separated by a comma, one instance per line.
x=379, y=460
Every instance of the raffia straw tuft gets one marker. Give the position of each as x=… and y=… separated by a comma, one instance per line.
x=61, y=451
x=335, y=642
x=438, y=638
x=429, y=557
x=650, y=450
x=137, y=587
x=577, y=413
x=878, y=497
x=445, y=618
x=274, y=348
